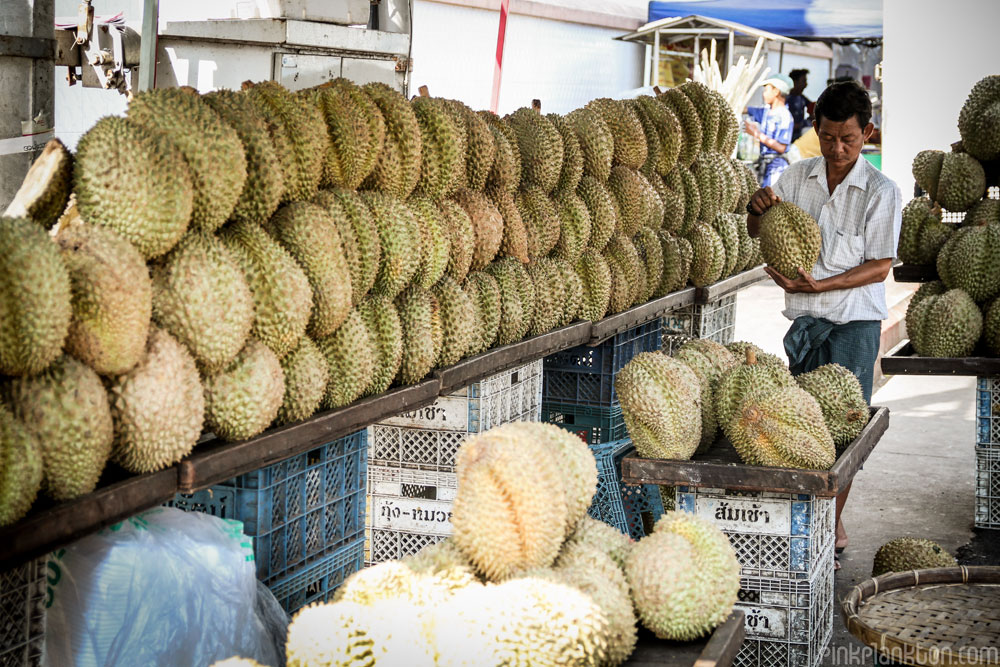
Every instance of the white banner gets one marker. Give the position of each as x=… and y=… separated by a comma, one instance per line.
x=28, y=144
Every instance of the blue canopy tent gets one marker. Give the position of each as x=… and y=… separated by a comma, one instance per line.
x=800, y=19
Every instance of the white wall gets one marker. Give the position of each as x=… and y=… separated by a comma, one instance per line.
x=564, y=64
x=934, y=53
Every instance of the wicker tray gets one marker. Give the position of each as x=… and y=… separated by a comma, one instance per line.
x=941, y=617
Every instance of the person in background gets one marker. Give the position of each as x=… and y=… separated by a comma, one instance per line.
x=772, y=126
x=837, y=306
x=798, y=104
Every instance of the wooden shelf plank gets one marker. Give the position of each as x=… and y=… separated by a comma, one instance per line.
x=914, y=273
x=721, y=468
x=902, y=360
x=729, y=285
x=719, y=649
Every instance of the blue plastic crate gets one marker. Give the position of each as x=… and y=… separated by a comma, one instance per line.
x=632, y=509
x=295, y=510
x=318, y=581
x=585, y=375
x=988, y=413
x=591, y=424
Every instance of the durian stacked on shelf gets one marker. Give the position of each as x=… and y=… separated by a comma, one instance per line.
x=956, y=314
x=527, y=578
x=675, y=406
x=245, y=258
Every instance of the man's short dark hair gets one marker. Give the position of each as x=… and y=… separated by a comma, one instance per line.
x=796, y=73
x=841, y=100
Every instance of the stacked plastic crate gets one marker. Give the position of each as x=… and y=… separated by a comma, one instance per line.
x=411, y=473
x=22, y=614
x=305, y=514
x=988, y=453
x=579, y=395
x=785, y=545
x=715, y=321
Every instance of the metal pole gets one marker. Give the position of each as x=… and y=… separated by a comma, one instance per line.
x=647, y=69
x=498, y=63
x=781, y=57
x=730, y=48
x=656, y=58
x=697, y=51
x=147, y=53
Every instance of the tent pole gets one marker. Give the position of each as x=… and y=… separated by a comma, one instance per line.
x=656, y=58
x=781, y=57
x=730, y=47
x=646, y=66
x=697, y=48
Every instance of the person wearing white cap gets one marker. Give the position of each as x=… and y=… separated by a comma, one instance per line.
x=773, y=127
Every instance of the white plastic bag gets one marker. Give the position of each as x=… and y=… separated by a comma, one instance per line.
x=165, y=587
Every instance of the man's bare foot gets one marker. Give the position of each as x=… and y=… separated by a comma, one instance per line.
x=841, y=539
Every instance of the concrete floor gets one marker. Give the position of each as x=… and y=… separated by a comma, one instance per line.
x=918, y=482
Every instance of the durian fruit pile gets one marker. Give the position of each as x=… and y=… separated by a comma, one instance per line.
x=952, y=316
x=527, y=578
x=244, y=258
x=674, y=406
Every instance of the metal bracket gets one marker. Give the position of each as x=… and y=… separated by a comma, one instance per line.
x=27, y=47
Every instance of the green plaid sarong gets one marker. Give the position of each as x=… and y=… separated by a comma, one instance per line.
x=812, y=342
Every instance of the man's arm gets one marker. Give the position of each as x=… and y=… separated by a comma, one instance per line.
x=872, y=271
x=773, y=144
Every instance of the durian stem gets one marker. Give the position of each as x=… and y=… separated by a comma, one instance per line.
x=751, y=356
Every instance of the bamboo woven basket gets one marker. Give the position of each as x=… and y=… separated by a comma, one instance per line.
x=940, y=617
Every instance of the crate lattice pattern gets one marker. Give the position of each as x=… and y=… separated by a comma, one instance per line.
x=296, y=510
x=988, y=412
x=318, y=581
x=788, y=623
x=22, y=614
x=714, y=321
x=511, y=396
x=386, y=545
x=793, y=554
x=631, y=508
x=988, y=487
x=956, y=217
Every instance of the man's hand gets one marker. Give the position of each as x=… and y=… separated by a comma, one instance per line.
x=805, y=283
x=763, y=199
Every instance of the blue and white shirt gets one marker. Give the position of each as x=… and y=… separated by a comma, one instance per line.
x=858, y=223
x=774, y=123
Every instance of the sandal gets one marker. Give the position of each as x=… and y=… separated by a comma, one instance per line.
x=836, y=562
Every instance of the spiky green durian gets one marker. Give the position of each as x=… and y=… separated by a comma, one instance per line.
x=306, y=376
x=484, y=291
x=112, y=297
x=625, y=128
x=944, y=325
x=627, y=187
x=709, y=254
x=264, y=185
x=157, y=407
x=684, y=577
x=598, y=535
x=739, y=350
x=35, y=298
x=747, y=248
x=980, y=117
x=603, y=211
x=673, y=205
x=463, y=238
x=540, y=147
x=572, y=287
x=382, y=319
x=445, y=563
x=691, y=126
x=991, y=326
x=548, y=295
x=281, y=293
x=242, y=399
x=789, y=239
x=729, y=126
x=442, y=160
x=65, y=408
x=514, y=320
x=541, y=221
x=481, y=147
x=672, y=277
x=211, y=148
x=663, y=135
x=652, y=204
x=708, y=112
x=417, y=309
x=647, y=245
x=515, y=235
x=505, y=173
x=356, y=131
x=907, y=553
x=984, y=211
x=954, y=180
x=619, y=296
x=759, y=375
x=311, y=236
x=487, y=225
x=683, y=182
x=301, y=127
x=21, y=469
x=839, y=395
x=709, y=361
x=397, y=169
x=504, y=476
x=352, y=356
x=399, y=239
x=725, y=225
x=358, y=236
x=597, y=144
x=152, y=176
x=572, y=164
x=575, y=225
x=783, y=428
x=622, y=251
x=661, y=404
x=458, y=318
x=435, y=243
x=45, y=190
x=968, y=261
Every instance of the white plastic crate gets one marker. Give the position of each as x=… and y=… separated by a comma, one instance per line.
x=22, y=614
x=407, y=509
x=715, y=321
x=428, y=438
x=787, y=623
x=775, y=535
x=988, y=487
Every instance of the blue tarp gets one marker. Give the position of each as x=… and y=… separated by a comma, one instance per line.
x=802, y=19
